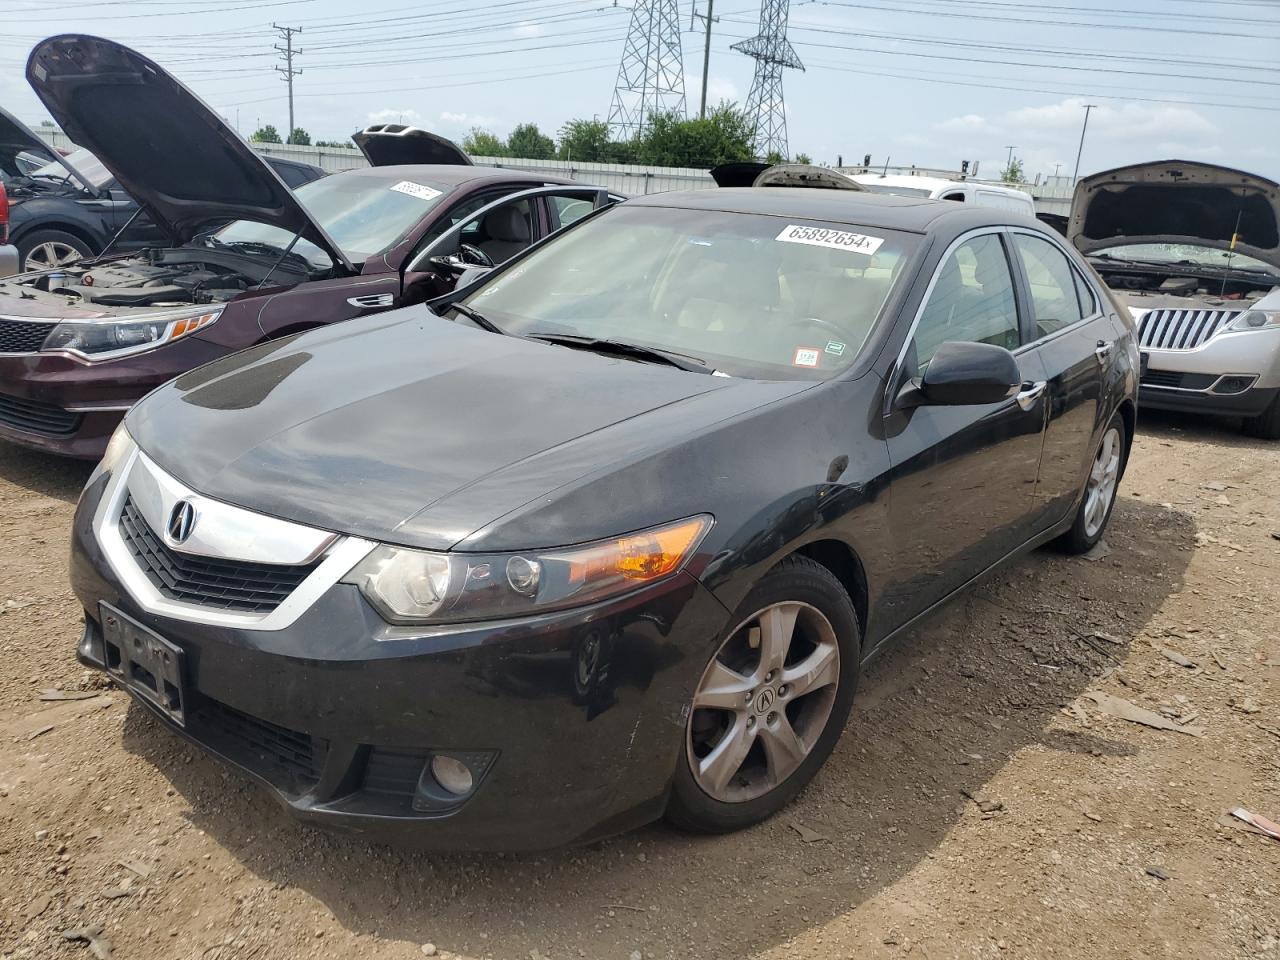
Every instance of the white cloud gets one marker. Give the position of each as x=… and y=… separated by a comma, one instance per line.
x=525, y=29
x=465, y=121
x=969, y=123
x=718, y=88
x=1130, y=120
x=392, y=115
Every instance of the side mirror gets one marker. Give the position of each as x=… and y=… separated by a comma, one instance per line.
x=964, y=374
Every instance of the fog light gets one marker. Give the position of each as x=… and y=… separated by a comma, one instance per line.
x=453, y=775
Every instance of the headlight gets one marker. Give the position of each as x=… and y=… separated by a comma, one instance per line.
x=108, y=339
x=413, y=586
x=118, y=447
x=1255, y=320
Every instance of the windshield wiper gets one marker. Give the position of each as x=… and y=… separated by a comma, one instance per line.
x=476, y=317
x=636, y=351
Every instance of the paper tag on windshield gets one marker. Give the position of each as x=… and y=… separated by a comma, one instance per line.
x=419, y=190
x=835, y=239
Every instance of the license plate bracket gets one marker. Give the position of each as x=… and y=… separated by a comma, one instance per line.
x=144, y=662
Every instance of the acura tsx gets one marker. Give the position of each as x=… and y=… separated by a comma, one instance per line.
x=610, y=534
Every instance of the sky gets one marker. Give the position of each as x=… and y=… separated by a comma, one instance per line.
x=925, y=82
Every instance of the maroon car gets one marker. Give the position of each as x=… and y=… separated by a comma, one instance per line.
x=81, y=344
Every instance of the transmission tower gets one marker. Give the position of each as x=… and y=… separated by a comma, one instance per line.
x=773, y=54
x=651, y=74
x=287, y=53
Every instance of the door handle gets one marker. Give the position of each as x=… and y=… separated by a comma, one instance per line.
x=1030, y=393
x=1103, y=351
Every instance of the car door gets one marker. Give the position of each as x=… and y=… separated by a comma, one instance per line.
x=963, y=477
x=1070, y=335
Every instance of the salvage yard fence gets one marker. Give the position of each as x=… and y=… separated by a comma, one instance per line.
x=1051, y=196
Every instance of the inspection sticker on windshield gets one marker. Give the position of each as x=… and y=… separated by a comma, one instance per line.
x=805, y=357
x=419, y=190
x=835, y=239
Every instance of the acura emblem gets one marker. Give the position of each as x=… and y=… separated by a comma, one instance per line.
x=181, y=521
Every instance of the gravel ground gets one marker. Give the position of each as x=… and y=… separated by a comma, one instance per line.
x=980, y=804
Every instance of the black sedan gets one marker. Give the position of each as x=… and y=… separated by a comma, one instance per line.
x=610, y=534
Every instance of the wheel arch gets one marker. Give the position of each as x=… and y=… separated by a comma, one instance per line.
x=75, y=229
x=1128, y=411
x=846, y=566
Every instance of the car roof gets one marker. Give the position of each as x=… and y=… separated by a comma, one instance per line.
x=450, y=174
x=913, y=214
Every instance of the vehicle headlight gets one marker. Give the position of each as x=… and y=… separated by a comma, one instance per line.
x=111, y=338
x=416, y=586
x=118, y=448
x=1255, y=320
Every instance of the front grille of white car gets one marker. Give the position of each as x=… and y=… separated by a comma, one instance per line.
x=1181, y=329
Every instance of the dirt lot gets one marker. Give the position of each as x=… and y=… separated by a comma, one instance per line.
x=979, y=805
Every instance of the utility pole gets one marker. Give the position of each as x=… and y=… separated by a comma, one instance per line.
x=708, y=19
x=287, y=54
x=1010, y=161
x=1075, y=178
x=1056, y=168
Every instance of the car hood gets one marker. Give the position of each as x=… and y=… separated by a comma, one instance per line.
x=1178, y=202
x=408, y=428
x=164, y=145
x=16, y=137
x=754, y=173
x=394, y=144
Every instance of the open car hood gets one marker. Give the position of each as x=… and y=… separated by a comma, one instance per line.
x=1176, y=201
x=164, y=145
x=393, y=144
x=754, y=173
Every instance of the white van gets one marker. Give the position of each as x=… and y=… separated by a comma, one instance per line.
x=962, y=191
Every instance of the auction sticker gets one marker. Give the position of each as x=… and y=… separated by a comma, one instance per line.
x=419, y=190
x=835, y=239
x=806, y=357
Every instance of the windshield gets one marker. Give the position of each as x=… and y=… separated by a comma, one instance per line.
x=747, y=295
x=84, y=163
x=364, y=215
x=876, y=187
x=1185, y=253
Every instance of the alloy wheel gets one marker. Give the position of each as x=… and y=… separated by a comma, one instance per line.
x=1101, y=488
x=763, y=702
x=51, y=253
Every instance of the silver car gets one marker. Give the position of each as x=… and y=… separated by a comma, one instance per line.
x=1193, y=250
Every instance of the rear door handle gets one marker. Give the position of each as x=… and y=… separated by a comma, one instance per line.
x=1030, y=394
x=1103, y=351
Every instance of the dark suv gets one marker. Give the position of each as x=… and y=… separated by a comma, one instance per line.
x=62, y=209
x=80, y=345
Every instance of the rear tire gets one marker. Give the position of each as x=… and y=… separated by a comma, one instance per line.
x=1099, y=497
x=764, y=719
x=47, y=249
x=1266, y=425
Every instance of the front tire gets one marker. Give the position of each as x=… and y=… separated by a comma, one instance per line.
x=1099, y=499
x=47, y=249
x=1266, y=425
x=765, y=717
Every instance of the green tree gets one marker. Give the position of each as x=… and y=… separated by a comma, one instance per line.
x=267, y=134
x=1013, y=173
x=671, y=141
x=482, y=143
x=531, y=143
x=586, y=141
x=773, y=156
x=803, y=158
x=300, y=137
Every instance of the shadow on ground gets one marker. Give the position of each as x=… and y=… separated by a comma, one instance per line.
x=43, y=473
x=936, y=719
x=1221, y=432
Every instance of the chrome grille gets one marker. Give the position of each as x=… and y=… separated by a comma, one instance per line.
x=1181, y=329
x=225, y=584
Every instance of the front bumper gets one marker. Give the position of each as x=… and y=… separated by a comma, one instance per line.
x=337, y=713
x=61, y=404
x=1231, y=374
x=8, y=260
